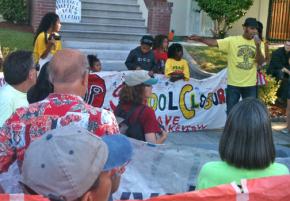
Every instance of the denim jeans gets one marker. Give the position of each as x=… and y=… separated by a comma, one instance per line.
x=234, y=93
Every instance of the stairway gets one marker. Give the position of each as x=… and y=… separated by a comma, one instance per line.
x=109, y=28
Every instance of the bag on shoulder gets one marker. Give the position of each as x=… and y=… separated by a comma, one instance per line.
x=134, y=129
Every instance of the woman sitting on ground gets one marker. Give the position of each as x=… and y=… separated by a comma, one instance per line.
x=134, y=110
x=246, y=148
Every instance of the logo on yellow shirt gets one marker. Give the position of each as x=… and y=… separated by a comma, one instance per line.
x=247, y=53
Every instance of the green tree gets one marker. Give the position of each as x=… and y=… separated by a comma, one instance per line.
x=14, y=11
x=224, y=13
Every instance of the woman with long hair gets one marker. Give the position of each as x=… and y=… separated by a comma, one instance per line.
x=47, y=39
x=135, y=111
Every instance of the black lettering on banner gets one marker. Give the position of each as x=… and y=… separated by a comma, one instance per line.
x=171, y=106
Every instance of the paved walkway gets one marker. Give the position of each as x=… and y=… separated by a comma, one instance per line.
x=209, y=140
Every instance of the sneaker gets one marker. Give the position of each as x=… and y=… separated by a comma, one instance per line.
x=285, y=131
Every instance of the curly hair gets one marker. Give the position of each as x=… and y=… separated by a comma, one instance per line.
x=158, y=41
x=173, y=49
x=133, y=94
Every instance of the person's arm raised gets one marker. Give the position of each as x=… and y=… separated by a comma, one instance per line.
x=208, y=41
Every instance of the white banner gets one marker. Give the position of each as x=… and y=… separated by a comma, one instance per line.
x=180, y=106
x=163, y=169
x=69, y=10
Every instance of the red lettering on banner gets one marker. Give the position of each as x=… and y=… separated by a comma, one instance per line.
x=176, y=120
x=159, y=119
x=167, y=120
x=117, y=90
x=221, y=96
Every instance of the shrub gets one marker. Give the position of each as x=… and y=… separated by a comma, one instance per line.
x=5, y=52
x=14, y=11
x=268, y=92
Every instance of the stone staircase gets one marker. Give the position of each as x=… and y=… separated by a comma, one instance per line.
x=109, y=28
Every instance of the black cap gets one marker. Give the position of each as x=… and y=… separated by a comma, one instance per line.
x=251, y=22
x=148, y=40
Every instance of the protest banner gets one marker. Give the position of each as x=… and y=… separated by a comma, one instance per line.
x=69, y=11
x=182, y=106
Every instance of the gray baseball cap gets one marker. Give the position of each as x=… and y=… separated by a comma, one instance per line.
x=137, y=77
x=65, y=162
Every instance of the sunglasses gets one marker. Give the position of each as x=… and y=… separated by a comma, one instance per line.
x=36, y=67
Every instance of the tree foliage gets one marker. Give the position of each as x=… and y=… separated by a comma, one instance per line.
x=14, y=11
x=224, y=13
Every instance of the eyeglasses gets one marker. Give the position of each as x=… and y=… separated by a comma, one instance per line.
x=36, y=67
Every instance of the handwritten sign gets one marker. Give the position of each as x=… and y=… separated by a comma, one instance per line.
x=69, y=10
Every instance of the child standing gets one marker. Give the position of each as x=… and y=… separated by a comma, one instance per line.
x=160, y=52
x=95, y=63
x=176, y=68
x=142, y=57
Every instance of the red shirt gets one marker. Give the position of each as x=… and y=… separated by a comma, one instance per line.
x=160, y=55
x=57, y=110
x=147, y=118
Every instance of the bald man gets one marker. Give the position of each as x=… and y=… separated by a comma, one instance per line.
x=68, y=73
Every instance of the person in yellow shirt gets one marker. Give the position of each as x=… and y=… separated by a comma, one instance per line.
x=176, y=68
x=244, y=54
x=47, y=39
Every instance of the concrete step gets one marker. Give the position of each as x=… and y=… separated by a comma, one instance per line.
x=81, y=35
x=111, y=13
x=112, y=1
x=105, y=27
x=111, y=55
x=111, y=6
x=98, y=19
x=113, y=66
x=100, y=45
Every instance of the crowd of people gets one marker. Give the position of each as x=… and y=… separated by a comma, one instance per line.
x=68, y=150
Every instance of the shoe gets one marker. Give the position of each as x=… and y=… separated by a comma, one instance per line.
x=285, y=131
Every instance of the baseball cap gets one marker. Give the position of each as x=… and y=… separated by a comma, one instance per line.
x=147, y=39
x=137, y=77
x=251, y=22
x=66, y=162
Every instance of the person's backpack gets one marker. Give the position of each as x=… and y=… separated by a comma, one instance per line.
x=134, y=129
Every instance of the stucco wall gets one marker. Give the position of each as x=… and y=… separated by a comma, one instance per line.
x=180, y=16
x=259, y=10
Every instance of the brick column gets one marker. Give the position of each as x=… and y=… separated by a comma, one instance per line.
x=38, y=9
x=159, y=16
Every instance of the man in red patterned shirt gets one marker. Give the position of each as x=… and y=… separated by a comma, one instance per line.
x=68, y=73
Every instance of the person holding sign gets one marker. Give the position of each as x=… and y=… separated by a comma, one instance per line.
x=47, y=39
x=176, y=68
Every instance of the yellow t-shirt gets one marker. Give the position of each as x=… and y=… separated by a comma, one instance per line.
x=241, y=53
x=40, y=46
x=173, y=66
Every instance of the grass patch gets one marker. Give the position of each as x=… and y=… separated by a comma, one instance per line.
x=16, y=39
x=210, y=59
